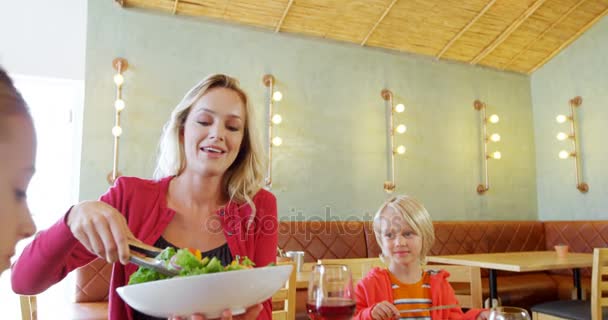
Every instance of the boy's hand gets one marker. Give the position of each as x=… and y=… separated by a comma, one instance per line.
x=384, y=310
x=484, y=315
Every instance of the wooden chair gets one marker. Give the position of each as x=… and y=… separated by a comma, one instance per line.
x=286, y=295
x=595, y=309
x=464, y=276
x=28, y=307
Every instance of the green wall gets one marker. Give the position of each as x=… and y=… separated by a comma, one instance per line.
x=580, y=70
x=333, y=158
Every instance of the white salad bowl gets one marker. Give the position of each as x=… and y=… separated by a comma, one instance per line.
x=208, y=294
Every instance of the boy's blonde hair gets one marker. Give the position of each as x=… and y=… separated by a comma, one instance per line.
x=244, y=177
x=416, y=216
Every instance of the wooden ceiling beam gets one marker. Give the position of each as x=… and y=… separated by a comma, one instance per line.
x=390, y=6
x=120, y=2
x=540, y=36
x=278, y=27
x=505, y=34
x=175, y=7
x=463, y=30
x=569, y=41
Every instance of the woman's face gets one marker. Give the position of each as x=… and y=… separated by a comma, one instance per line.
x=213, y=132
x=18, y=150
x=400, y=243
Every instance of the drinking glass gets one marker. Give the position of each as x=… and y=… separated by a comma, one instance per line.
x=330, y=293
x=508, y=313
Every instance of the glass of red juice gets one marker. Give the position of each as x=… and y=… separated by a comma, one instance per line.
x=330, y=293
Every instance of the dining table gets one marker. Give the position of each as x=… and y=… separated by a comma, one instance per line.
x=522, y=261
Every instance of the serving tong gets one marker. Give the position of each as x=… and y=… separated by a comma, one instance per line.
x=148, y=259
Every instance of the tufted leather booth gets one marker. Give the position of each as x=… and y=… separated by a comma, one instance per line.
x=324, y=240
x=92, y=290
x=355, y=239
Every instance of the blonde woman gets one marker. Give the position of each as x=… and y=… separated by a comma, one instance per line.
x=18, y=150
x=404, y=231
x=207, y=195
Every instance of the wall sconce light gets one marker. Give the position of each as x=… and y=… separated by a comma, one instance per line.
x=120, y=65
x=573, y=136
x=494, y=137
x=387, y=95
x=274, y=119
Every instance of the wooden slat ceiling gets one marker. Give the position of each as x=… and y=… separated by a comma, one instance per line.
x=516, y=35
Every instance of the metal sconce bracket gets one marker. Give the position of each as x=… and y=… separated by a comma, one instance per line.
x=120, y=65
x=481, y=107
x=269, y=82
x=389, y=186
x=576, y=102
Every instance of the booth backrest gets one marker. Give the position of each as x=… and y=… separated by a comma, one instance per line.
x=460, y=237
x=355, y=239
x=323, y=239
x=93, y=282
x=580, y=236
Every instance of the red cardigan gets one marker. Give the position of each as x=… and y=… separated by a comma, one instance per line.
x=376, y=287
x=55, y=251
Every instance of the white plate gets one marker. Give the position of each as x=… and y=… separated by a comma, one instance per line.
x=209, y=294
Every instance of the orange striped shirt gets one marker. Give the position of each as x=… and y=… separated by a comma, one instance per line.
x=412, y=296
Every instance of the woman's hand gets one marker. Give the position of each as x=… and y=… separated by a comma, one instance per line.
x=484, y=315
x=101, y=229
x=250, y=314
x=384, y=310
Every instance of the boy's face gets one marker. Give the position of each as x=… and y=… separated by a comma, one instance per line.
x=400, y=243
x=18, y=150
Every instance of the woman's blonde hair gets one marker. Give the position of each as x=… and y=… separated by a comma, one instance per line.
x=244, y=177
x=416, y=216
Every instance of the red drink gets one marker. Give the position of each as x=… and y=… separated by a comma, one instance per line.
x=331, y=309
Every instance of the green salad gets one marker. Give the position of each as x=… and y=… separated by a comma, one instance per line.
x=188, y=262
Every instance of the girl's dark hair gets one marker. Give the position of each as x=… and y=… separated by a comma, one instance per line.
x=11, y=101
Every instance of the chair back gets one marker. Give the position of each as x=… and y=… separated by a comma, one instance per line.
x=286, y=295
x=359, y=267
x=471, y=276
x=599, y=282
x=28, y=307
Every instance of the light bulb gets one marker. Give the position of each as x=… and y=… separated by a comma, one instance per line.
x=496, y=155
x=277, y=141
x=116, y=131
x=401, y=149
x=401, y=128
x=561, y=118
x=400, y=108
x=276, y=119
x=494, y=118
x=562, y=136
x=495, y=137
x=277, y=96
x=119, y=104
x=119, y=79
x=564, y=154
